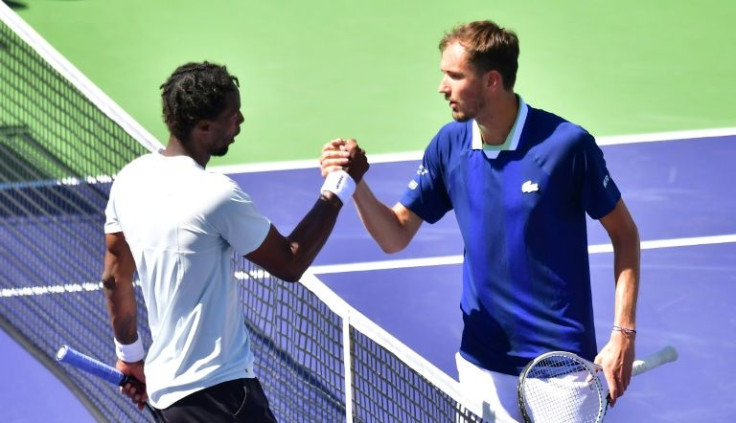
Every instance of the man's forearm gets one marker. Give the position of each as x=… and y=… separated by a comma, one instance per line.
x=626, y=248
x=624, y=236
x=310, y=235
x=122, y=309
x=627, y=291
x=381, y=221
x=117, y=284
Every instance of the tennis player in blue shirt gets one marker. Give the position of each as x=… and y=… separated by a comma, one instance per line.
x=520, y=181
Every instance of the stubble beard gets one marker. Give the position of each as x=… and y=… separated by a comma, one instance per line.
x=460, y=117
x=220, y=152
x=464, y=116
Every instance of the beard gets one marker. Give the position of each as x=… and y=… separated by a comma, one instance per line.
x=463, y=112
x=461, y=117
x=220, y=151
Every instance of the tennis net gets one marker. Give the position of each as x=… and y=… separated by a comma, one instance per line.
x=61, y=143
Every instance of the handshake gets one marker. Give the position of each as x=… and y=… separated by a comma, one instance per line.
x=340, y=157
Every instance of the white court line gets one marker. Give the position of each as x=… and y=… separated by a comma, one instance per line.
x=458, y=259
x=368, y=266
x=667, y=136
x=30, y=291
x=417, y=155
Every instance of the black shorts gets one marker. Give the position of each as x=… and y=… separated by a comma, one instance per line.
x=240, y=400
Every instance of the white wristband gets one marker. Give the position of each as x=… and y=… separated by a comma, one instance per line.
x=339, y=183
x=130, y=353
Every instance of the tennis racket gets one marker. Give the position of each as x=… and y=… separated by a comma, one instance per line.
x=559, y=386
x=97, y=368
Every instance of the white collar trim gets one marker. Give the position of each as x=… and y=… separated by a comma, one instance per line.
x=512, y=139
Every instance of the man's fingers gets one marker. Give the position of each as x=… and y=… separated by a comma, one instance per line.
x=333, y=144
x=331, y=159
x=341, y=154
x=350, y=143
x=328, y=169
x=331, y=164
x=135, y=392
x=615, y=388
x=128, y=389
x=333, y=155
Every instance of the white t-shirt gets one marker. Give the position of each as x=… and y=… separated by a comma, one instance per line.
x=182, y=224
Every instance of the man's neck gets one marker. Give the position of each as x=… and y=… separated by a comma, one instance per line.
x=496, y=125
x=176, y=147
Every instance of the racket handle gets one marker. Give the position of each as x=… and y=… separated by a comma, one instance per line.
x=663, y=356
x=92, y=366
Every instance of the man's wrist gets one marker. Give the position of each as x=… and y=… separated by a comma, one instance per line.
x=339, y=183
x=130, y=353
x=626, y=332
x=331, y=199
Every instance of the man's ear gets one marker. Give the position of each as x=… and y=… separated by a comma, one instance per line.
x=199, y=131
x=202, y=125
x=493, y=80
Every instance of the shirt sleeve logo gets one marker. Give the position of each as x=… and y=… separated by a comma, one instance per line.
x=529, y=186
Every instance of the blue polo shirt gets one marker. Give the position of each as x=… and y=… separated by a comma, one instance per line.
x=521, y=211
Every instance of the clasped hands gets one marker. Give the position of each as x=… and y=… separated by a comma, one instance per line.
x=344, y=154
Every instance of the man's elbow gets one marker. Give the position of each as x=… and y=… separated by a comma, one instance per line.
x=630, y=234
x=391, y=248
x=288, y=274
x=393, y=244
x=291, y=276
x=107, y=280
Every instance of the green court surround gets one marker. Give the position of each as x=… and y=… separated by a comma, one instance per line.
x=312, y=71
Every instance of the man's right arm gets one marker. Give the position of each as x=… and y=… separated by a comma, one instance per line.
x=289, y=257
x=391, y=227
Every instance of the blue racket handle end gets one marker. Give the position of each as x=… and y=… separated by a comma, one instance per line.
x=92, y=366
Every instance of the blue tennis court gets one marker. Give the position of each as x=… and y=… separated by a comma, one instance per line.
x=679, y=192
x=622, y=61
x=681, y=196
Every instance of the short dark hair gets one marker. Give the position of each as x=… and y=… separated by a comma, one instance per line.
x=194, y=92
x=489, y=47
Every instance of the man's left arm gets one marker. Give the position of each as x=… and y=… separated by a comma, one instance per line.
x=617, y=356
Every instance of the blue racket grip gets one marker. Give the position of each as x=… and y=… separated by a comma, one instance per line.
x=92, y=366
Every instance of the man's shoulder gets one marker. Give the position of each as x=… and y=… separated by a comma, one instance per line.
x=550, y=126
x=454, y=133
x=179, y=168
x=541, y=116
x=140, y=159
x=221, y=181
x=451, y=138
x=136, y=165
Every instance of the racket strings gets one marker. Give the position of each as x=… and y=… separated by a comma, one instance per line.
x=561, y=389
